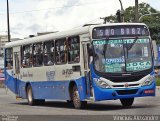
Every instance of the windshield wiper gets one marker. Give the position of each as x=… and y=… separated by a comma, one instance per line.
x=134, y=41
x=105, y=48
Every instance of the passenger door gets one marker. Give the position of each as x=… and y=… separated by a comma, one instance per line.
x=86, y=67
x=16, y=70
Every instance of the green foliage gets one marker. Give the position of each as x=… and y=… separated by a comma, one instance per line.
x=157, y=81
x=153, y=21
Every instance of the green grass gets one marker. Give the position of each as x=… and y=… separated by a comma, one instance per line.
x=158, y=81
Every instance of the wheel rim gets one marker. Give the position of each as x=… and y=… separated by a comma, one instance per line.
x=76, y=99
x=30, y=95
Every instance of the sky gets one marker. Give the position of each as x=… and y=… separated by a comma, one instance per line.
x=27, y=17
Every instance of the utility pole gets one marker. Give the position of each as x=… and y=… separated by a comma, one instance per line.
x=122, y=11
x=136, y=10
x=9, y=38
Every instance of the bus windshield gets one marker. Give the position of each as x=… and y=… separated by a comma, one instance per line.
x=122, y=55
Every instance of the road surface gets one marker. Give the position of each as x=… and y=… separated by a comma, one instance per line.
x=142, y=106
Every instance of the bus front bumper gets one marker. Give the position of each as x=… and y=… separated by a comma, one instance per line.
x=120, y=93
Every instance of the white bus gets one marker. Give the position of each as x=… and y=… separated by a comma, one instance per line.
x=91, y=63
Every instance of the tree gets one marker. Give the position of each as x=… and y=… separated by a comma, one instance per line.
x=153, y=21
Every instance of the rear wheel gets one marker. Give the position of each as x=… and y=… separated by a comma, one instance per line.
x=40, y=101
x=127, y=102
x=30, y=97
x=78, y=104
x=31, y=100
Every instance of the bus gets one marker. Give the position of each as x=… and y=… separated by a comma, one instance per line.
x=2, y=79
x=91, y=63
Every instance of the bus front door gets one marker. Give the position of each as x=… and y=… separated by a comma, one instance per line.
x=86, y=68
x=16, y=72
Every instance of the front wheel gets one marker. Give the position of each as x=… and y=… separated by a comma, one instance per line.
x=78, y=104
x=127, y=102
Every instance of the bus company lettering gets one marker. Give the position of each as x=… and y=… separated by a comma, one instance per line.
x=27, y=74
x=50, y=75
x=113, y=60
x=138, y=65
x=67, y=72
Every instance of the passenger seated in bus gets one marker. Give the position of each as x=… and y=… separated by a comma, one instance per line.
x=69, y=56
x=24, y=62
x=9, y=66
x=47, y=60
x=77, y=58
x=62, y=57
x=39, y=59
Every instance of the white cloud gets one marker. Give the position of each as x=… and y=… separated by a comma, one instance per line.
x=52, y=15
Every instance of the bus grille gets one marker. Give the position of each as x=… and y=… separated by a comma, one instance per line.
x=129, y=85
x=127, y=92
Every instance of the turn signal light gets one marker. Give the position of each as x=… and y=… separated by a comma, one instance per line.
x=149, y=91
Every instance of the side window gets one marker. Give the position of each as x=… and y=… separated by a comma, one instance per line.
x=27, y=59
x=38, y=54
x=73, y=50
x=61, y=51
x=48, y=53
x=9, y=58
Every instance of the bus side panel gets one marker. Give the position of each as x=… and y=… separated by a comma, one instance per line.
x=22, y=90
x=46, y=89
x=15, y=85
x=56, y=89
x=81, y=84
x=10, y=81
x=50, y=90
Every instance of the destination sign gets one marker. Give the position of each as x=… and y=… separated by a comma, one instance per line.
x=120, y=31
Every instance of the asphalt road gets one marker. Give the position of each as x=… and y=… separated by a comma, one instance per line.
x=142, y=106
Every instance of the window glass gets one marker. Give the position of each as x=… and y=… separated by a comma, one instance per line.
x=27, y=56
x=122, y=55
x=73, y=50
x=49, y=53
x=38, y=54
x=9, y=58
x=61, y=51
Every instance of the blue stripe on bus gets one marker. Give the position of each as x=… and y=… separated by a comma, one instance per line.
x=60, y=89
x=107, y=94
x=46, y=89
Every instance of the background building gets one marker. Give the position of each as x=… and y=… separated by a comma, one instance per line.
x=3, y=41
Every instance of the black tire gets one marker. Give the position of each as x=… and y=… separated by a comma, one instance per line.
x=70, y=103
x=78, y=104
x=30, y=98
x=127, y=102
x=39, y=101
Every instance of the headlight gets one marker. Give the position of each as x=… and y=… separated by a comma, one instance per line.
x=101, y=83
x=148, y=81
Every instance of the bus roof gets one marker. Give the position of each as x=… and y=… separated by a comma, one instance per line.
x=53, y=36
